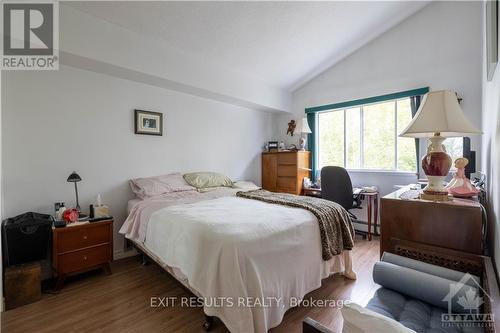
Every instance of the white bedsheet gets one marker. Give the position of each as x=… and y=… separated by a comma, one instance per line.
x=233, y=247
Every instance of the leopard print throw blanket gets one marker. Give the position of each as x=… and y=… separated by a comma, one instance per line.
x=335, y=227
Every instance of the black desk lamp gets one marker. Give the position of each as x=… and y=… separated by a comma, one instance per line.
x=75, y=178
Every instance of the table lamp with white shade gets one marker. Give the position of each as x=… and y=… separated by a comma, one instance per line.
x=304, y=130
x=438, y=117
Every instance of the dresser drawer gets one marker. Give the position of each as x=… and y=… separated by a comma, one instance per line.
x=287, y=171
x=79, y=238
x=287, y=159
x=79, y=260
x=286, y=184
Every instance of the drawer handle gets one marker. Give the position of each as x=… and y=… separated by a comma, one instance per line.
x=85, y=237
x=84, y=257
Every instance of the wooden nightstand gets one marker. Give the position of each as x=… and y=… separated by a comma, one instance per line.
x=80, y=248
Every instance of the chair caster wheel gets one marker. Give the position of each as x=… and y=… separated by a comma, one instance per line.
x=208, y=324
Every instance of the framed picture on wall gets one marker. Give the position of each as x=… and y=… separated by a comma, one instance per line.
x=148, y=123
x=491, y=38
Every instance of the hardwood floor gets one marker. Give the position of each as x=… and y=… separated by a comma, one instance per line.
x=120, y=302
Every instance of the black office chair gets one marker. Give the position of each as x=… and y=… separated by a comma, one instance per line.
x=336, y=186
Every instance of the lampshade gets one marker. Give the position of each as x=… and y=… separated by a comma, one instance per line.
x=304, y=127
x=74, y=178
x=439, y=112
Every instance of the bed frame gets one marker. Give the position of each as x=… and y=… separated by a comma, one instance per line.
x=148, y=256
x=457, y=260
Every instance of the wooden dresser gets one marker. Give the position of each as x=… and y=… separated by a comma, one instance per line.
x=81, y=248
x=284, y=171
x=454, y=225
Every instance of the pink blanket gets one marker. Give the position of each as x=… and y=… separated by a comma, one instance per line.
x=136, y=224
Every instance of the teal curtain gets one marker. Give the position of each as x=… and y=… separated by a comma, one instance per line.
x=311, y=143
x=415, y=104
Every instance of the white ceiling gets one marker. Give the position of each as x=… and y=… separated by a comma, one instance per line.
x=283, y=43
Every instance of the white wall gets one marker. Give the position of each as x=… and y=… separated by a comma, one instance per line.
x=439, y=47
x=491, y=155
x=95, y=44
x=56, y=122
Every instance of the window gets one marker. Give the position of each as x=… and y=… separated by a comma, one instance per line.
x=366, y=137
x=454, y=148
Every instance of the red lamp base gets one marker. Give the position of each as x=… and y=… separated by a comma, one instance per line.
x=436, y=165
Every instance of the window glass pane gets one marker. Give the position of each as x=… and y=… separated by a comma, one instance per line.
x=407, y=158
x=331, y=138
x=379, y=136
x=353, y=144
x=454, y=148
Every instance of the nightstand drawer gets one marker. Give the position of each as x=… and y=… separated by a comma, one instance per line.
x=71, y=240
x=79, y=260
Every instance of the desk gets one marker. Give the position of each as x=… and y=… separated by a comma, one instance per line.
x=455, y=225
x=312, y=192
x=372, y=207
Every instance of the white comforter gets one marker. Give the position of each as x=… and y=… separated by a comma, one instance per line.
x=232, y=248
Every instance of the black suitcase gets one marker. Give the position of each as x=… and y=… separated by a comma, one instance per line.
x=26, y=237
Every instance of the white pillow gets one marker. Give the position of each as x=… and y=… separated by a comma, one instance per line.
x=357, y=319
x=154, y=186
x=245, y=185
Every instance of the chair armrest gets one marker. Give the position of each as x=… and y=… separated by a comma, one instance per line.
x=312, y=326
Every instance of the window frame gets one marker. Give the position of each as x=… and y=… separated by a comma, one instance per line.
x=312, y=117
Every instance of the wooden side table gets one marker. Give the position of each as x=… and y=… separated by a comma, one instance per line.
x=80, y=248
x=372, y=207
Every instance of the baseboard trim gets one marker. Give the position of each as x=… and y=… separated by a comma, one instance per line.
x=121, y=254
x=363, y=226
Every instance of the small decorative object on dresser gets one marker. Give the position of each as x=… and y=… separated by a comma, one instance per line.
x=272, y=146
x=460, y=186
x=81, y=248
x=70, y=215
x=291, y=127
x=284, y=171
x=59, y=208
x=148, y=123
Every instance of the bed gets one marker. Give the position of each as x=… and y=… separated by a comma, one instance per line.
x=249, y=261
